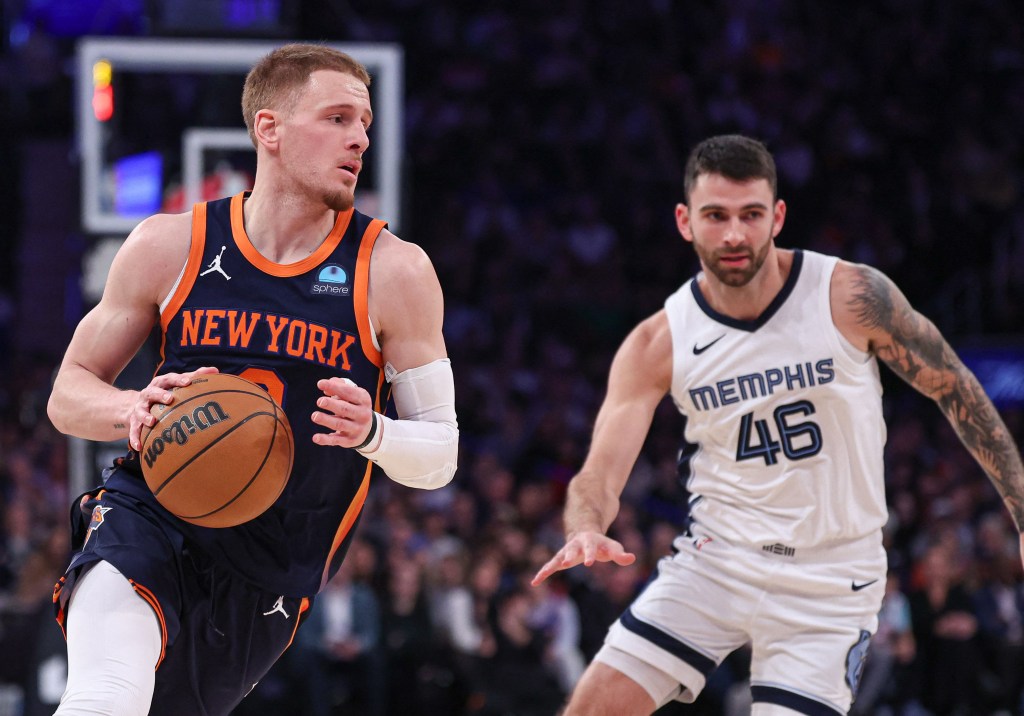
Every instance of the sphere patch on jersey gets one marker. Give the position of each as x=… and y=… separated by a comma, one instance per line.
x=332, y=280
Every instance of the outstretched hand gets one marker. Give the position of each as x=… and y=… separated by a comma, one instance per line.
x=585, y=548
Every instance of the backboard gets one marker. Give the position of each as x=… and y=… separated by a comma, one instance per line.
x=159, y=126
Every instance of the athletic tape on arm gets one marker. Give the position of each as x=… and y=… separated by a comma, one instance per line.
x=421, y=448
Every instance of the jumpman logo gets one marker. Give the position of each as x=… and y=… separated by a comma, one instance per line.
x=278, y=607
x=215, y=265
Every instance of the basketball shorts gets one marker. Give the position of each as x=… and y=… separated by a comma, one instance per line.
x=220, y=634
x=807, y=614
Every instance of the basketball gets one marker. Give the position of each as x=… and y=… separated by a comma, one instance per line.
x=220, y=454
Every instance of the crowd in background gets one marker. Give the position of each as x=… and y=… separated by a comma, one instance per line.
x=544, y=149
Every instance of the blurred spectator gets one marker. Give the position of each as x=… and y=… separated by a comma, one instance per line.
x=337, y=657
x=407, y=638
x=999, y=606
x=944, y=630
x=517, y=680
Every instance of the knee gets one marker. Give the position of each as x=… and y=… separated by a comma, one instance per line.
x=106, y=698
x=110, y=692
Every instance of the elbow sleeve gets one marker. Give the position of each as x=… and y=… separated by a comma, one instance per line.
x=420, y=449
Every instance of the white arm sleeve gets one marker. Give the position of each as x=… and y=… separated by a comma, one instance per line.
x=421, y=448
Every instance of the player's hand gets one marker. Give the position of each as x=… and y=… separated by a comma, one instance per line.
x=345, y=410
x=1022, y=546
x=585, y=548
x=158, y=391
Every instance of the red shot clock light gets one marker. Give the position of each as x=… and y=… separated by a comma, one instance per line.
x=102, y=91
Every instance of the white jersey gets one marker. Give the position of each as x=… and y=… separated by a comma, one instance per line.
x=784, y=425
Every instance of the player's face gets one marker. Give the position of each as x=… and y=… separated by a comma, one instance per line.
x=323, y=137
x=732, y=226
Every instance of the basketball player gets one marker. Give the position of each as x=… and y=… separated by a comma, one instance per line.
x=770, y=355
x=291, y=287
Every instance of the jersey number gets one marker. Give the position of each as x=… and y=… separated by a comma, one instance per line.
x=796, y=440
x=268, y=380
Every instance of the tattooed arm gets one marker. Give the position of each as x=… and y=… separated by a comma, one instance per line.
x=871, y=311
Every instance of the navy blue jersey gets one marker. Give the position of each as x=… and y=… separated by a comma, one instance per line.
x=284, y=327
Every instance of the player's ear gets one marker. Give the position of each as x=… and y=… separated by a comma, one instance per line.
x=683, y=221
x=779, y=217
x=265, y=127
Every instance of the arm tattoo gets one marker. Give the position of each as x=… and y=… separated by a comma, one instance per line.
x=915, y=350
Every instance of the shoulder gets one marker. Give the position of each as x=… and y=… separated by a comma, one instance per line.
x=401, y=268
x=404, y=293
x=396, y=259
x=650, y=342
x=643, y=363
x=155, y=251
x=654, y=330
x=161, y=236
x=865, y=302
x=857, y=287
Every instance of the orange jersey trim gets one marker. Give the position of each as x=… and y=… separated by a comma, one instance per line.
x=155, y=606
x=61, y=616
x=283, y=270
x=192, y=265
x=354, y=508
x=145, y=594
x=361, y=299
x=303, y=608
x=188, y=278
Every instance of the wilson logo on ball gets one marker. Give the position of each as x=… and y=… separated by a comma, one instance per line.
x=202, y=418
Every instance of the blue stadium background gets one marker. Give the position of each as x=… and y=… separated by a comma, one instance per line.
x=544, y=144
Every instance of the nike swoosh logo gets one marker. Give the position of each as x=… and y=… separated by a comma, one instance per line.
x=857, y=587
x=697, y=350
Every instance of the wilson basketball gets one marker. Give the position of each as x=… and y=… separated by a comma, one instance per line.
x=220, y=454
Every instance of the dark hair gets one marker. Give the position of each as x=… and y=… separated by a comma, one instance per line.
x=276, y=79
x=733, y=156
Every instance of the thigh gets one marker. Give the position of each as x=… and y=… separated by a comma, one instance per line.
x=809, y=646
x=231, y=634
x=113, y=646
x=691, y=615
x=115, y=528
x=604, y=690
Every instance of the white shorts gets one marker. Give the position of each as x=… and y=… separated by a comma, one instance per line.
x=807, y=614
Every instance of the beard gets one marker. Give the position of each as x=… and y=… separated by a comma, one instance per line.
x=730, y=276
x=339, y=200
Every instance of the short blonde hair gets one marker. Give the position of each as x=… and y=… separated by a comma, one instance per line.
x=276, y=80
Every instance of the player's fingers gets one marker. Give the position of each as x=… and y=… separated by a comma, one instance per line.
x=623, y=558
x=358, y=414
x=611, y=551
x=564, y=559
x=569, y=556
x=546, y=571
x=332, y=405
x=205, y=370
x=140, y=418
x=344, y=389
x=334, y=422
x=344, y=438
x=134, y=434
x=589, y=553
x=332, y=439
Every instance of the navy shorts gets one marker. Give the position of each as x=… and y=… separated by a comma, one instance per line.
x=220, y=633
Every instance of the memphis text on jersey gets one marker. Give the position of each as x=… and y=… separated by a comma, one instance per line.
x=761, y=384
x=266, y=333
